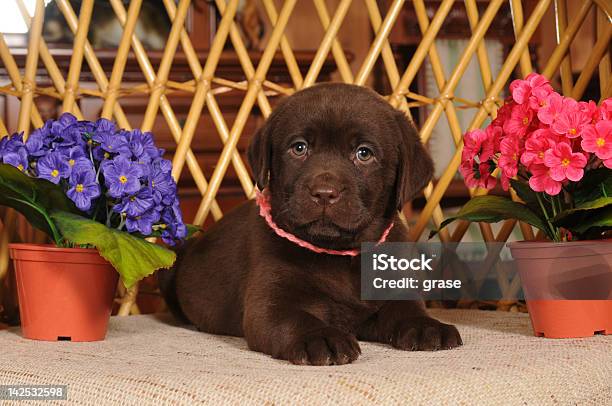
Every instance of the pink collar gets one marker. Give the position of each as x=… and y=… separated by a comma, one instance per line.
x=265, y=211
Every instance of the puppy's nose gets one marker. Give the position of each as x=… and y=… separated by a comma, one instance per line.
x=325, y=195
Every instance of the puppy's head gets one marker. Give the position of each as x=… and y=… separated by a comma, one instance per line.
x=338, y=161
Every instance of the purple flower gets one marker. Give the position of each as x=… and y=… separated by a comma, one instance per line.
x=163, y=188
x=76, y=158
x=77, y=134
x=11, y=144
x=100, y=155
x=174, y=228
x=64, y=121
x=53, y=167
x=35, y=144
x=104, y=126
x=18, y=158
x=95, y=160
x=135, y=205
x=83, y=187
x=142, y=223
x=111, y=143
x=162, y=165
x=66, y=131
x=142, y=145
x=121, y=177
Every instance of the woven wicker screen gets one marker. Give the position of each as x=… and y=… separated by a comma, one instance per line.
x=207, y=87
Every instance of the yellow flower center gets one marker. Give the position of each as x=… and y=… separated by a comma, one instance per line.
x=573, y=131
x=565, y=162
x=541, y=154
x=20, y=167
x=106, y=155
x=600, y=142
x=89, y=142
x=525, y=120
x=54, y=173
x=71, y=162
x=515, y=156
x=152, y=183
x=542, y=103
x=79, y=188
x=132, y=198
x=163, y=226
x=122, y=179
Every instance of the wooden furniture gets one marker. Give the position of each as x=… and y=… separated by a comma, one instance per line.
x=206, y=145
x=406, y=36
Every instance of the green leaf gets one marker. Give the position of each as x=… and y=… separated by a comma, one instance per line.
x=584, y=207
x=491, y=209
x=191, y=231
x=596, y=213
x=34, y=198
x=585, y=221
x=133, y=257
x=530, y=197
x=595, y=184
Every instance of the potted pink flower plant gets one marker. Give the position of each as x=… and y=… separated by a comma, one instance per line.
x=556, y=154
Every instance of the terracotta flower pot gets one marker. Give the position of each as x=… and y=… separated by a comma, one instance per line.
x=64, y=293
x=568, y=286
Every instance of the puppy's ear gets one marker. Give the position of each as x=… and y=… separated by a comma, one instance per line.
x=259, y=155
x=415, y=167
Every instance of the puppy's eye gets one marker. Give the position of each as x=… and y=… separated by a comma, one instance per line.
x=299, y=148
x=364, y=154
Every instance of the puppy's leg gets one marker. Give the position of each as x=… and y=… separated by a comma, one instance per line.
x=299, y=337
x=406, y=326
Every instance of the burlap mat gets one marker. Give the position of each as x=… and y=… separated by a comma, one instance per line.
x=144, y=360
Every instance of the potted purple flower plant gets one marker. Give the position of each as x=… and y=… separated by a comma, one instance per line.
x=98, y=192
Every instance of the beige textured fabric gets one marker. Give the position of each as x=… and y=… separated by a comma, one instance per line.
x=144, y=360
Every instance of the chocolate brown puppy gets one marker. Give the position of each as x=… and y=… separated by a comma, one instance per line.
x=337, y=162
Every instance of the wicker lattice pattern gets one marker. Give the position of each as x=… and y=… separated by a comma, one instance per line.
x=206, y=86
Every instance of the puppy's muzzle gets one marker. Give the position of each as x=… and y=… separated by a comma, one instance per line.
x=323, y=191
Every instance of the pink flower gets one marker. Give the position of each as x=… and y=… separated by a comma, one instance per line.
x=505, y=182
x=570, y=122
x=553, y=106
x=494, y=134
x=519, y=121
x=606, y=109
x=510, y=152
x=591, y=110
x=523, y=90
x=608, y=163
x=565, y=164
x=598, y=139
x=539, y=97
x=541, y=181
x=536, y=145
x=504, y=112
x=477, y=175
x=478, y=143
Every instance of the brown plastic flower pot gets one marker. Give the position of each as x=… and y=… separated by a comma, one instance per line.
x=568, y=286
x=64, y=293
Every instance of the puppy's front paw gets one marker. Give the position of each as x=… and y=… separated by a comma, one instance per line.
x=425, y=334
x=325, y=346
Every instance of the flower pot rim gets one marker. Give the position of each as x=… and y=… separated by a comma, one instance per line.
x=50, y=253
x=49, y=247
x=531, y=244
